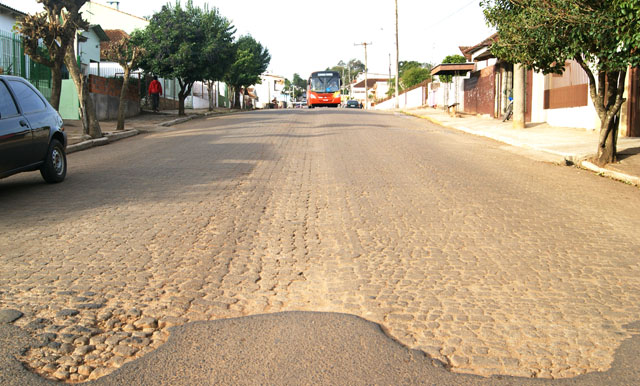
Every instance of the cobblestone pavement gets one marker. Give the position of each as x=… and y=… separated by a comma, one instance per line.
x=489, y=261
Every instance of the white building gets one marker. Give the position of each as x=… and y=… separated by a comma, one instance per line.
x=110, y=17
x=270, y=88
x=8, y=17
x=377, y=86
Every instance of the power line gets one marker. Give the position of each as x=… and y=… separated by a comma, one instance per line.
x=453, y=14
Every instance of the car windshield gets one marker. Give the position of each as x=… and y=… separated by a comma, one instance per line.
x=325, y=84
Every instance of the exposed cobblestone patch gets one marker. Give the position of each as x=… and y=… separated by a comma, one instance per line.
x=80, y=346
x=526, y=269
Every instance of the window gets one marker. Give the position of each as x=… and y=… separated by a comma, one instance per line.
x=29, y=100
x=328, y=85
x=7, y=105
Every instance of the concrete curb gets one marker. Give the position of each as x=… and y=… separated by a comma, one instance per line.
x=111, y=137
x=566, y=158
x=631, y=180
x=194, y=116
x=177, y=121
x=116, y=136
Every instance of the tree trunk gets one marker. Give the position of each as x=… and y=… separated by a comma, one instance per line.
x=56, y=86
x=210, y=86
x=87, y=109
x=608, y=143
x=607, y=96
x=185, y=90
x=122, y=107
x=236, y=96
x=519, y=92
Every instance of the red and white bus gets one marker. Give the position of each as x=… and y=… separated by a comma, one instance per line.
x=323, y=89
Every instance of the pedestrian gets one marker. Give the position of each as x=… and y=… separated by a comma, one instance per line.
x=155, y=90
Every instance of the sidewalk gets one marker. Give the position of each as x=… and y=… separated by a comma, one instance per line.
x=145, y=121
x=567, y=145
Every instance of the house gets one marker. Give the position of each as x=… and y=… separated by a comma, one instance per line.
x=8, y=17
x=449, y=94
x=269, y=88
x=561, y=100
x=377, y=85
x=110, y=17
x=490, y=83
x=10, y=60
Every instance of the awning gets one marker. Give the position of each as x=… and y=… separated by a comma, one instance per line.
x=455, y=69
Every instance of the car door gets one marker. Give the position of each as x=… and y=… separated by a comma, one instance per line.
x=15, y=133
x=34, y=108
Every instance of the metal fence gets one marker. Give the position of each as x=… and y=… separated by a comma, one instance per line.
x=13, y=61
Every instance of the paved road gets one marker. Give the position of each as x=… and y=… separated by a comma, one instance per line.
x=489, y=261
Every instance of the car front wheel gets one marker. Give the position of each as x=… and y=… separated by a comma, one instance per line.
x=55, y=165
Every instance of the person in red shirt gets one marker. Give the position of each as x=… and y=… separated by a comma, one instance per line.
x=155, y=90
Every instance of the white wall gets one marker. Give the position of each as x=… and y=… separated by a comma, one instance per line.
x=410, y=99
x=445, y=94
x=6, y=23
x=538, y=113
x=584, y=117
x=271, y=87
x=111, y=18
x=579, y=117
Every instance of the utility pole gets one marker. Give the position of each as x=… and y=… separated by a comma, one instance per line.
x=349, y=72
x=389, y=82
x=366, y=70
x=397, y=58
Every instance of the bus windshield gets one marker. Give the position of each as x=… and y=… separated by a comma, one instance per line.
x=325, y=84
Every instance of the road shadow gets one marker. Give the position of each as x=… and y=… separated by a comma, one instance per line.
x=626, y=153
x=142, y=170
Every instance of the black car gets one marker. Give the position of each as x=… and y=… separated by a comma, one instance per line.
x=32, y=136
x=353, y=104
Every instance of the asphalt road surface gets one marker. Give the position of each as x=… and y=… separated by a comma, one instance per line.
x=487, y=260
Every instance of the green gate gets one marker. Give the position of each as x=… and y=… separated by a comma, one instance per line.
x=13, y=61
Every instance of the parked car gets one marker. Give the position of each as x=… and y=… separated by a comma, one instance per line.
x=32, y=135
x=354, y=104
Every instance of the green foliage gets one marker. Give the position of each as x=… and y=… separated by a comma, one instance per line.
x=187, y=43
x=217, y=52
x=405, y=65
x=601, y=35
x=251, y=59
x=173, y=41
x=348, y=71
x=415, y=76
x=300, y=86
x=451, y=59
x=543, y=35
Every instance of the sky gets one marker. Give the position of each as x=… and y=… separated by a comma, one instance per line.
x=305, y=36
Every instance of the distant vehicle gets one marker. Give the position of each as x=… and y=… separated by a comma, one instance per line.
x=323, y=89
x=32, y=136
x=353, y=104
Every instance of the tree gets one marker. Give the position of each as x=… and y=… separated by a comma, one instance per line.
x=173, y=42
x=601, y=35
x=218, y=48
x=406, y=65
x=300, y=86
x=415, y=76
x=251, y=59
x=348, y=71
x=89, y=118
x=47, y=35
x=451, y=59
x=127, y=54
